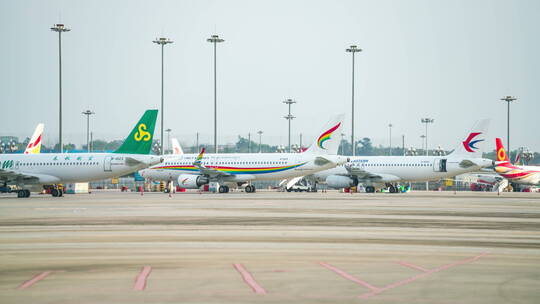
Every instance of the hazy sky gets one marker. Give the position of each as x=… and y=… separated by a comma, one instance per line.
x=449, y=60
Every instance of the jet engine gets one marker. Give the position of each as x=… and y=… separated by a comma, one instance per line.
x=190, y=181
x=338, y=181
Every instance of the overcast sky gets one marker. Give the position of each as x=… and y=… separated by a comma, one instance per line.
x=449, y=60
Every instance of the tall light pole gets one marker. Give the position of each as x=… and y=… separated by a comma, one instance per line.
x=197, y=144
x=427, y=121
x=162, y=42
x=215, y=40
x=88, y=113
x=60, y=28
x=168, y=139
x=249, y=142
x=353, y=49
x=390, y=128
x=423, y=137
x=403, y=143
x=260, y=140
x=341, y=144
x=508, y=100
x=289, y=117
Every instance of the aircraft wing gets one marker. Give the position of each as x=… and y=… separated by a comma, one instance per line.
x=360, y=173
x=363, y=175
x=10, y=176
x=210, y=172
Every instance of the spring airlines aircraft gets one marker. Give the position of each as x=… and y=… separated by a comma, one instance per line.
x=524, y=175
x=376, y=171
x=191, y=171
x=31, y=171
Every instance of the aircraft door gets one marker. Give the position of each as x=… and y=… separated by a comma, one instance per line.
x=107, y=164
x=439, y=165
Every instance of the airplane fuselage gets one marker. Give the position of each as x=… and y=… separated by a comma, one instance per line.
x=523, y=175
x=54, y=168
x=239, y=166
x=407, y=168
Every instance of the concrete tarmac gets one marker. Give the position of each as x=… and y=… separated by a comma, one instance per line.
x=269, y=247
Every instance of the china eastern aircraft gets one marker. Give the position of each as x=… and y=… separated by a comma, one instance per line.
x=379, y=171
x=523, y=175
x=191, y=171
x=32, y=171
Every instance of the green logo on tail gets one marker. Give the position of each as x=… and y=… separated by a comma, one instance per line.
x=139, y=140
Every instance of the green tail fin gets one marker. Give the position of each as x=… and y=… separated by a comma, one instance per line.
x=139, y=140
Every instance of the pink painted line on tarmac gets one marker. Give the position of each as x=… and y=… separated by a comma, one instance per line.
x=422, y=275
x=34, y=279
x=350, y=277
x=413, y=266
x=249, y=279
x=140, y=280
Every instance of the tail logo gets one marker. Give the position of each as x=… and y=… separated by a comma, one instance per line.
x=501, y=154
x=326, y=136
x=199, y=157
x=469, y=143
x=142, y=134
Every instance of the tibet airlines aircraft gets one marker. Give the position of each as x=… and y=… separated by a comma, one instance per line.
x=34, y=146
x=31, y=171
x=377, y=171
x=191, y=171
x=524, y=175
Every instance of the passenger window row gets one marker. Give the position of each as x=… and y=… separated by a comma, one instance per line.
x=59, y=164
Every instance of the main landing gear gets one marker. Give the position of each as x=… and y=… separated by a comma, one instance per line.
x=23, y=193
x=57, y=192
x=223, y=189
x=250, y=188
x=370, y=189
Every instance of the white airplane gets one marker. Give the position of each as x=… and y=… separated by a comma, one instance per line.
x=191, y=171
x=34, y=145
x=377, y=171
x=32, y=171
x=524, y=175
